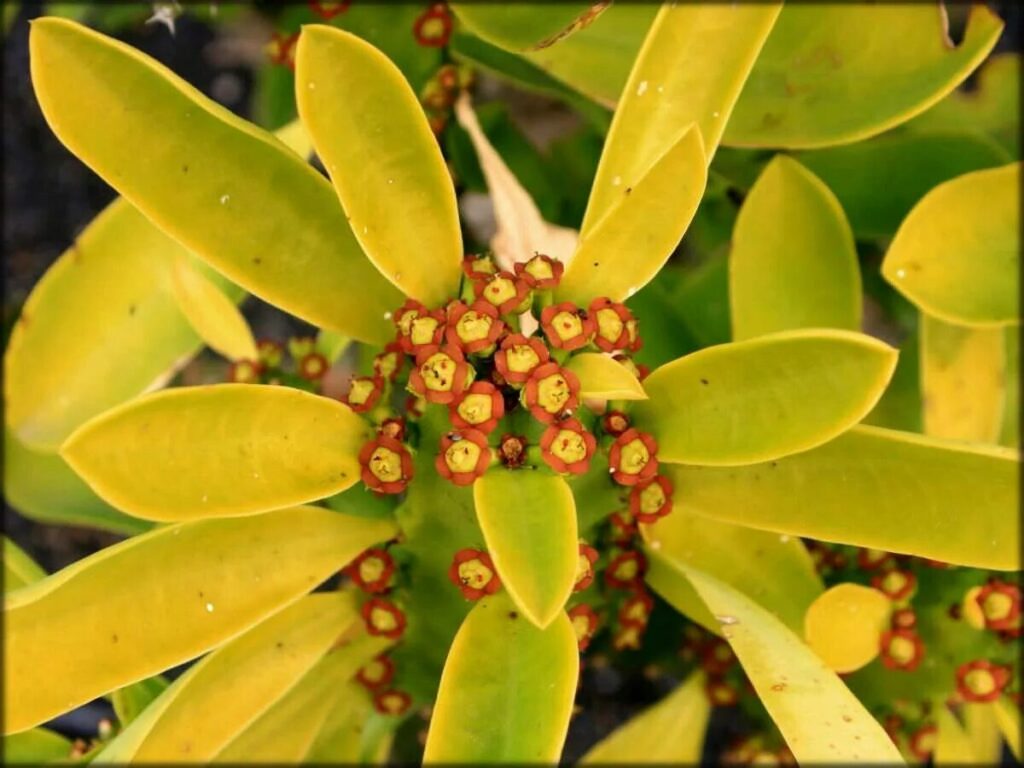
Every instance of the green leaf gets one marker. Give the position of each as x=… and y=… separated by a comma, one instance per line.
x=983, y=732
x=526, y=26
x=604, y=378
x=226, y=190
x=875, y=488
x=218, y=451
x=42, y=487
x=130, y=702
x=844, y=623
x=670, y=732
x=332, y=345
x=793, y=263
x=519, y=679
x=879, y=181
x=760, y=399
x=20, y=569
x=957, y=252
x=818, y=79
x=356, y=104
x=821, y=721
x=340, y=739
x=120, y=615
x=691, y=69
x=1008, y=718
x=212, y=314
x=529, y=523
x=963, y=380
x=35, y=747
x=952, y=746
x=1010, y=435
x=624, y=250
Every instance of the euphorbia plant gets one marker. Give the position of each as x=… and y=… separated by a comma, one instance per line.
x=493, y=465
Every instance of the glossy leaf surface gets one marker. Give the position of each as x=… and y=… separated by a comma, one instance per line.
x=952, y=254
x=843, y=625
x=131, y=701
x=218, y=451
x=212, y=314
x=20, y=570
x=604, y=378
x=115, y=617
x=529, y=523
x=519, y=678
x=35, y=747
x=1008, y=719
x=357, y=105
x=767, y=397
x=952, y=745
x=793, y=263
x=876, y=488
x=525, y=26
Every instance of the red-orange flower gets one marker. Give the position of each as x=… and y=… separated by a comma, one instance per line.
x=271, y=353
x=328, y=10
x=480, y=407
x=633, y=457
x=418, y=327
x=901, y=649
x=721, y=693
x=479, y=267
x=464, y=456
x=245, y=372
x=650, y=499
x=384, y=618
x=611, y=319
x=628, y=636
x=377, y=673
x=896, y=584
x=473, y=328
x=550, y=392
x=540, y=272
x=433, y=27
x=585, y=567
x=389, y=363
x=566, y=326
x=473, y=572
x=584, y=623
x=637, y=369
x=441, y=374
x=614, y=422
x=1000, y=605
x=717, y=657
x=386, y=465
x=392, y=702
x=636, y=608
x=281, y=49
x=504, y=291
x=567, y=447
x=623, y=526
x=313, y=366
x=363, y=393
x=372, y=570
x=981, y=680
x=923, y=740
x=904, y=618
x=626, y=570
x=519, y=356
x=393, y=428
x=873, y=559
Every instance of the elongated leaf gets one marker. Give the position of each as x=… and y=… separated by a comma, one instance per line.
x=774, y=571
x=768, y=397
x=821, y=721
x=957, y=254
x=130, y=702
x=670, y=732
x=522, y=677
x=793, y=263
x=117, y=616
x=876, y=488
x=41, y=486
x=844, y=624
x=225, y=189
x=983, y=731
x=952, y=746
x=963, y=380
x=525, y=26
x=35, y=747
x=1010, y=434
x=340, y=736
x=602, y=377
x=357, y=105
x=626, y=247
x=691, y=68
x=529, y=523
x=20, y=570
x=818, y=78
x=223, y=694
x=218, y=451
x=1008, y=717
x=212, y=314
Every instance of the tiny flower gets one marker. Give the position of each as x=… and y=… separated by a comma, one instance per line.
x=512, y=450
x=567, y=447
x=313, y=366
x=473, y=572
x=389, y=363
x=415, y=405
x=473, y=328
x=632, y=457
x=874, y=559
x=464, y=456
x=541, y=272
x=981, y=680
x=721, y=693
x=566, y=326
x=425, y=330
x=584, y=623
x=923, y=741
x=441, y=374
x=377, y=673
x=364, y=393
x=392, y=702
x=651, y=499
x=504, y=291
x=638, y=370
x=300, y=346
x=636, y=608
x=550, y=392
x=614, y=423
x=393, y=428
x=623, y=526
x=328, y=10
x=448, y=77
x=437, y=123
x=896, y=584
x=281, y=49
x=901, y=649
x=245, y=372
x=628, y=636
x=626, y=571
x=386, y=465
x=479, y=267
x=519, y=357
x=480, y=407
x=717, y=657
x=904, y=618
x=1000, y=605
x=372, y=570
x=383, y=618
x=270, y=352
x=585, y=567
x=611, y=318
x=433, y=27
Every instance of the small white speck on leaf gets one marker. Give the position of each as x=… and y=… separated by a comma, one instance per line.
x=642, y=88
x=209, y=607
x=726, y=620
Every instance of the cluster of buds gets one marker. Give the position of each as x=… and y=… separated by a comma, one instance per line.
x=718, y=662
x=376, y=676
x=439, y=93
x=758, y=750
x=303, y=367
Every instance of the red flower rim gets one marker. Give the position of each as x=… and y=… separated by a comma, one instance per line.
x=612, y=576
x=245, y=371
x=439, y=13
x=377, y=673
x=554, y=328
x=420, y=335
x=479, y=391
x=532, y=392
x=904, y=618
x=906, y=583
x=922, y=741
x=459, y=375
x=328, y=10
x=376, y=389
x=554, y=441
x=629, y=635
x=620, y=319
x=616, y=458
x=1007, y=603
x=392, y=702
x=457, y=310
x=636, y=608
x=374, y=584
x=585, y=612
x=281, y=49
x=647, y=491
x=384, y=463
x=999, y=679
x=271, y=353
x=585, y=567
x=471, y=472
x=614, y=423
x=550, y=269
x=623, y=526
x=370, y=610
x=465, y=585
x=313, y=366
x=479, y=267
x=389, y=363
x=905, y=635
x=511, y=341
x=515, y=303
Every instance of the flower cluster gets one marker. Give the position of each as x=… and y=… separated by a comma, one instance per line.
x=304, y=366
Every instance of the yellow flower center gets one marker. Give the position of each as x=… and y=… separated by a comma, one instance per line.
x=383, y=620
x=473, y=326
x=569, y=446
x=609, y=324
x=500, y=290
x=474, y=573
x=634, y=457
x=405, y=321
x=582, y=568
x=636, y=611
x=902, y=650
x=521, y=358
x=374, y=671
x=652, y=498
x=475, y=408
x=629, y=637
x=387, y=363
x=894, y=581
x=462, y=456
x=422, y=330
x=997, y=606
x=245, y=371
x=393, y=703
x=553, y=393
x=567, y=325
x=386, y=465
x=371, y=569
x=312, y=365
x=360, y=391
x=483, y=265
x=626, y=570
x=581, y=624
x=632, y=330
x=539, y=269
x=438, y=372
x=432, y=29
x=980, y=682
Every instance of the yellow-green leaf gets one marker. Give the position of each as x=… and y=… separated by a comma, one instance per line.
x=763, y=398
x=603, y=378
x=957, y=254
x=844, y=624
x=357, y=105
x=963, y=380
x=218, y=451
x=774, y=571
x=225, y=189
x=818, y=78
x=793, y=263
x=519, y=679
x=952, y=746
x=526, y=26
x=691, y=69
x=122, y=614
x=821, y=721
x=212, y=314
x=983, y=731
x=629, y=244
x=340, y=739
x=876, y=488
x=20, y=570
x=1010, y=434
x=331, y=345
x=130, y=701
x=670, y=732
x=35, y=747
x=216, y=699
x=1008, y=718
x=529, y=523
